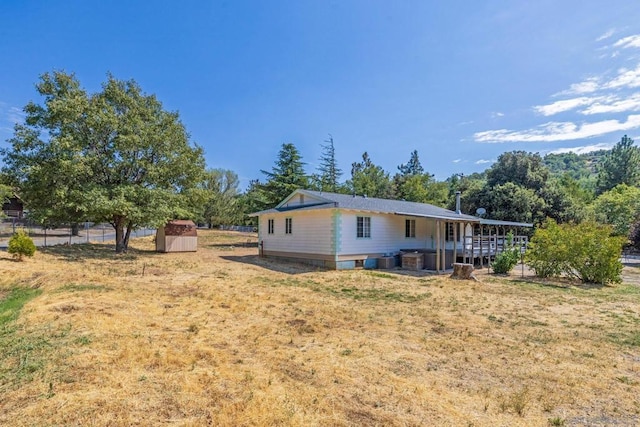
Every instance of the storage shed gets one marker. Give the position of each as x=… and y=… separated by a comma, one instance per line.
x=177, y=236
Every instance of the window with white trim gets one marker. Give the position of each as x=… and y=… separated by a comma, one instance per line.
x=410, y=228
x=363, y=226
x=270, y=226
x=288, y=225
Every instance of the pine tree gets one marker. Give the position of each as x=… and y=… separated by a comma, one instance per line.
x=329, y=177
x=621, y=165
x=286, y=176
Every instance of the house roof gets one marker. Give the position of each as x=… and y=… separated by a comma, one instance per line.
x=505, y=223
x=324, y=200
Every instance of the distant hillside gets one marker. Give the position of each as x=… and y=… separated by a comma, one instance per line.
x=577, y=165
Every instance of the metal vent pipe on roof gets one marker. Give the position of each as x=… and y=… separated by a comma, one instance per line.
x=458, y=202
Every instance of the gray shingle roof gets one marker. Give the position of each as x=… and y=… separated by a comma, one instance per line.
x=372, y=204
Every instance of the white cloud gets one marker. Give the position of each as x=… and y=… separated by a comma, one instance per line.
x=589, y=85
x=625, y=78
x=626, y=42
x=583, y=149
x=496, y=114
x=606, y=35
x=483, y=161
x=457, y=160
x=614, y=104
x=558, y=131
x=564, y=105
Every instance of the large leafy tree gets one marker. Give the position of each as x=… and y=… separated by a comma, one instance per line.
x=286, y=175
x=329, y=172
x=618, y=207
x=369, y=179
x=114, y=156
x=519, y=167
x=621, y=165
x=221, y=197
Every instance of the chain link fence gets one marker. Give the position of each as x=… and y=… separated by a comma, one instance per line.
x=65, y=234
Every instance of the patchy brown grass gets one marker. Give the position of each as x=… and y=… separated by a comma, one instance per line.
x=222, y=337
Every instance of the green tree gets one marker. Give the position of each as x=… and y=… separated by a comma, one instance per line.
x=412, y=183
x=511, y=202
x=115, y=156
x=286, y=176
x=222, y=205
x=519, y=167
x=564, y=200
x=252, y=200
x=621, y=165
x=369, y=179
x=618, y=207
x=21, y=245
x=329, y=172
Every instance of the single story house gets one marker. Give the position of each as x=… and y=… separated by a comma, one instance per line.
x=339, y=231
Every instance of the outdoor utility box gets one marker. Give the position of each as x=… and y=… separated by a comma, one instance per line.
x=177, y=236
x=412, y=261
x=386, y=262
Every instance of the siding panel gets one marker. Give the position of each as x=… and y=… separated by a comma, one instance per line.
x=312, y=232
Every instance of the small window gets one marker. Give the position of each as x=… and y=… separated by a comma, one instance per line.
x=448, y=232
x=410, y=228
x=287, y=225
x=363, y=226
x=270, y=226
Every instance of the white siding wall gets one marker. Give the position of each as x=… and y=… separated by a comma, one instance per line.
x=387, y=234
x=312, y=232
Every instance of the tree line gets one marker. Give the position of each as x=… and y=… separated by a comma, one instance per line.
x=118, y=156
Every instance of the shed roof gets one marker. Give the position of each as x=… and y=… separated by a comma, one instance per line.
x=368, y=204
x=180, y=227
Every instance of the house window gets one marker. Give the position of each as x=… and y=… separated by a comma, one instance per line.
x=448, y=232
x=270, y=226
x=410, y=228
x=287, y=225
x=364, y=226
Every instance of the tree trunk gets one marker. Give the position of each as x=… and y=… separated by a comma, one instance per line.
x=121, y=246
x=127, y=235
x=463, y=271
x=75, y=229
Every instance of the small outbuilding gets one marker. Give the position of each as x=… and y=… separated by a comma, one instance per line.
x=177, y=236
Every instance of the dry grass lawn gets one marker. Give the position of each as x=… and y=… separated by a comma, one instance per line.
x=222, y=337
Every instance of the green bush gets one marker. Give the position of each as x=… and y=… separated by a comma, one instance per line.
x=507, y=259
x=595, y=254
x=21, y=245
x=586, y=251
x=547, y=252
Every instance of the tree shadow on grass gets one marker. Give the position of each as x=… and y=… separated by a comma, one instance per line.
x=280, y=266
x=83, y=251
x=231, y=245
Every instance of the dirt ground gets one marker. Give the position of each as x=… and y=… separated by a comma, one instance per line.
x=223, y=337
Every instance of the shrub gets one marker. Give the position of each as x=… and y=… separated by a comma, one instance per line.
x=595, y=254
x=548, y=252
x=507, y=259
x=586, y=251
x=21, y=245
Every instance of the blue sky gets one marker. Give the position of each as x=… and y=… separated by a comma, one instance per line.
x=459, y=81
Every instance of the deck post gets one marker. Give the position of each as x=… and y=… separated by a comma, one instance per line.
x=443, y=257
x=438, y=245
x=481, y=251
x=456, y=225
x=473, y=248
